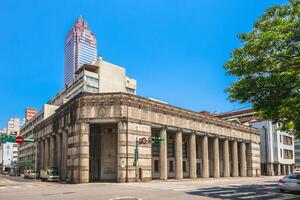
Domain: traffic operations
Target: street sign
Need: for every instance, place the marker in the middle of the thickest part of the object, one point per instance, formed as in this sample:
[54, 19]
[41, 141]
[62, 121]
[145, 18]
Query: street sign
[143, 140]
[29, 140]
[19, 139]
[157, 139]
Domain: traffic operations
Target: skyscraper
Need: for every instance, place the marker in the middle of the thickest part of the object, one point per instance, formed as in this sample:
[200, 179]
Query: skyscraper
[80, 48]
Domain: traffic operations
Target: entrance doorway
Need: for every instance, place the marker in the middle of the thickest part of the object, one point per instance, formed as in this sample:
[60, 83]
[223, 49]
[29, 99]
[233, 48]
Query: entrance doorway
[103, 152]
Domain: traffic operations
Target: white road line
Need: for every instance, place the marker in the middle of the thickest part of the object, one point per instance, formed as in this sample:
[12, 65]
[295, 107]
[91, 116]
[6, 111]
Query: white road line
[282, 198]
[16, 187]
[174, 188]
[185, 189]
[30, 186]
[218, 192]
[2, 188]
[236, 194]
[269, 187]
[235, 185]
[257, 196]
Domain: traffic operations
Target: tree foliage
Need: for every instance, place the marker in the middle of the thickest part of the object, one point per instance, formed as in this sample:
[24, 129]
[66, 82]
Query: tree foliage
[267, 67]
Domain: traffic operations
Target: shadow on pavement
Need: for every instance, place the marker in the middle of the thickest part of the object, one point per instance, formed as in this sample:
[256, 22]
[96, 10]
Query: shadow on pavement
[250, 191]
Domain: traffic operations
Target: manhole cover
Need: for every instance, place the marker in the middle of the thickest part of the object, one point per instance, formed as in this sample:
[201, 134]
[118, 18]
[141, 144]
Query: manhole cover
[125, 198]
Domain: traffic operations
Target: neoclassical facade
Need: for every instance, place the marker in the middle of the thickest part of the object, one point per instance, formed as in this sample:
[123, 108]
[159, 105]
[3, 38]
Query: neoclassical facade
[93, 138]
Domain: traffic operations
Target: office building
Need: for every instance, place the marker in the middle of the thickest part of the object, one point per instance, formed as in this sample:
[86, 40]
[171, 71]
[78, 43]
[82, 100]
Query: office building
[29, 113]
[80, 48]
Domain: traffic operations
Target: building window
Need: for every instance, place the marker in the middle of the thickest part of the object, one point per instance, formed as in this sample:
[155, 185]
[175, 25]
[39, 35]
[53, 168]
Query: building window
[281, 153]
[184, 149]
[155, 149]
[288, 154]
[287, 140]
[171, 167]
[130, 90]
[184, 166]
[156, 163]
[90, 79]
[171, 146]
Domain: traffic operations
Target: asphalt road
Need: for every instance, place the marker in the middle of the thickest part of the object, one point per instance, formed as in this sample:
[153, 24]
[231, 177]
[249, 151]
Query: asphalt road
[12, 188]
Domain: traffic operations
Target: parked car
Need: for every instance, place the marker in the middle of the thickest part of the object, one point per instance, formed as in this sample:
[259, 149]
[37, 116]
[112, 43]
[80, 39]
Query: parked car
[29, 173]
[13, 172]
[51, 174]
[290, 182]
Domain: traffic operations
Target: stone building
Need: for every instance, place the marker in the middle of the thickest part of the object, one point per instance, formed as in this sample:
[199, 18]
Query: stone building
[93, 137]
[276, 147]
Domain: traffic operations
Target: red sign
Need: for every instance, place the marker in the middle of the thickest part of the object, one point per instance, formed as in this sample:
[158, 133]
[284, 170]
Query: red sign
[19, 139]
[143, 140]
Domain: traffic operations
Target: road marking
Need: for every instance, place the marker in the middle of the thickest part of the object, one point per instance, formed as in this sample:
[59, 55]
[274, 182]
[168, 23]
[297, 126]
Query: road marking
[282, 198]
[218, 192]
[235, 185]
[236, 194]
[257, 196]
[30, 186]
[16, 187]
[2, 188]
[186, 189]
[269, 187]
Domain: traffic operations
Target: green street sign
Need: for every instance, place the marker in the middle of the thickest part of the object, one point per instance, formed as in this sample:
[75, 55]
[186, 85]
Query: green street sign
[157, 139]
[7, 138]
[29, 140]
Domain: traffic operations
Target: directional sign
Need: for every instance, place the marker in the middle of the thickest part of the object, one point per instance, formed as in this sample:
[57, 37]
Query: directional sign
[19, 139]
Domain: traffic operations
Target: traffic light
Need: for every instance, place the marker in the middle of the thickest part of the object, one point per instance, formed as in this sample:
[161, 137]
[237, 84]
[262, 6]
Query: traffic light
[157, 139]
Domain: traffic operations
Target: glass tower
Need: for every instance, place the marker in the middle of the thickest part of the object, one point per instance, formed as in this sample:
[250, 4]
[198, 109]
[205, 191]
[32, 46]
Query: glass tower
[80, 48]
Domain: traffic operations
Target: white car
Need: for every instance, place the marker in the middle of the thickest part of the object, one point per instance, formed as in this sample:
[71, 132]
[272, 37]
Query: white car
[290, 182]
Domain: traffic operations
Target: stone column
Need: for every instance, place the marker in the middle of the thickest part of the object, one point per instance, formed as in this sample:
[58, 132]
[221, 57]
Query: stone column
[46, 154]
[243, 159]
[192, 156]
[52, 150]
[58, 152]
[64, 149]
[84, 153]
[283, 170]
[204, 156]
[216, 157]
[291, 168]
[288, 169]
[226, 158]
[279, 169]
[41, 155]
[178, 155]
[163, 159]
[235, 164]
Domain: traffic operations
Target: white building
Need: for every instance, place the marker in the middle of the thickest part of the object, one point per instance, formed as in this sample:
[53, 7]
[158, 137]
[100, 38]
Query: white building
[297, 153]
[276, 147]
[9, 151]
[80, 48]
[98, 77]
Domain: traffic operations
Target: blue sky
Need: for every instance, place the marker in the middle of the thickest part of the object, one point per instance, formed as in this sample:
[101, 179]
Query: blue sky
[175, 49]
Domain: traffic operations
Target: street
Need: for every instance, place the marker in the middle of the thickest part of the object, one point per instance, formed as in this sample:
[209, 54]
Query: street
[12, 188]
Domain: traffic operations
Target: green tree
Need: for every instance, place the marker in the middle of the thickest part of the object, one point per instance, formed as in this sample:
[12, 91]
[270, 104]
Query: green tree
[267, 67]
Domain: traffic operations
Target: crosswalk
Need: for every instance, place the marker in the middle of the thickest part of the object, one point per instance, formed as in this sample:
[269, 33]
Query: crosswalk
[17, 187]
[231, 191]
